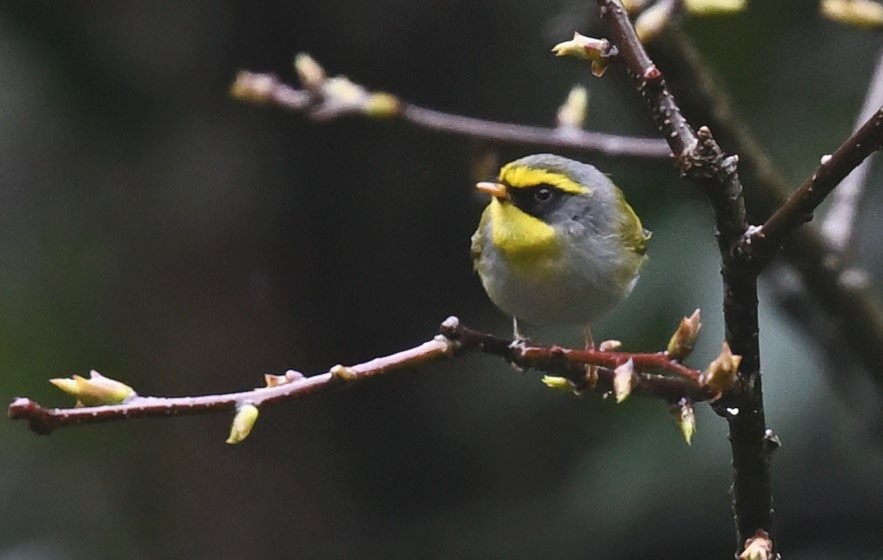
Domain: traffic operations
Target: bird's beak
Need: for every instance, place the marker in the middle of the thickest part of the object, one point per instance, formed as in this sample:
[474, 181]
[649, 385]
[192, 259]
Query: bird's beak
[496, 190]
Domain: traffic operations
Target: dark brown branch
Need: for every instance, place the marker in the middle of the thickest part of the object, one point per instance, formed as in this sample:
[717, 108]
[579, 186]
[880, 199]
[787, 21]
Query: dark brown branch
[671, 123]
[657, 376]
[855, 310]
[839, 224]
[698, 155]
[265, 88]
[763, 243]
[702, 161]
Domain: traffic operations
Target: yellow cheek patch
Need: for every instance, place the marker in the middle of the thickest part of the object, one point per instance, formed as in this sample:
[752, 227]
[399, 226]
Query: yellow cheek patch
[518, 176]
[520, 235]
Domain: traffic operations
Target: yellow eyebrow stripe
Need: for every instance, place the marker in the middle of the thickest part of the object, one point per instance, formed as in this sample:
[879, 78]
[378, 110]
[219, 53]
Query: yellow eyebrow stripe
[519, 176]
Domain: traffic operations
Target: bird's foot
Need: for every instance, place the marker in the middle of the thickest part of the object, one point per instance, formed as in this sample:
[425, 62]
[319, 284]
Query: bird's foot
[518, 338]
[587, 335]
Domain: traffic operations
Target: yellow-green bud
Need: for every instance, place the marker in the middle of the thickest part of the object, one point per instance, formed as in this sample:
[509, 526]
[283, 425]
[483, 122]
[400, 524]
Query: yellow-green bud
[587, 48]
[559, 383]
[95, 391]
[685, 417]
[243, 422]
[383, 105]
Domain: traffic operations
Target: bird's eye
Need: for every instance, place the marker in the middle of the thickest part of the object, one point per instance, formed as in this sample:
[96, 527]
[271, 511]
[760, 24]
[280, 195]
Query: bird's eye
[543, 194]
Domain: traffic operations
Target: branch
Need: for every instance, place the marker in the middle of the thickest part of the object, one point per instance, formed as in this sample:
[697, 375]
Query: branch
[45, 420]
[698, 155]
[854, 308]
[761, 245]
[266, 88]
[838, 226]
[680, 382]
[673, 126]
[655, 375]
[702, 160]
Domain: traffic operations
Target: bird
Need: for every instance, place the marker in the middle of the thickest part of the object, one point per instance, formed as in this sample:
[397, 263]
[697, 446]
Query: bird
[557, 244]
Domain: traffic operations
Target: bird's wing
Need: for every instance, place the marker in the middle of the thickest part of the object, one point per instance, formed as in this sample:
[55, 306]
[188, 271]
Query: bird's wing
[478, 239]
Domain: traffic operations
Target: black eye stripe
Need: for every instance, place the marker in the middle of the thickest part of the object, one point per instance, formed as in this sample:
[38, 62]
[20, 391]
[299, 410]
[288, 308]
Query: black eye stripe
[537, 200]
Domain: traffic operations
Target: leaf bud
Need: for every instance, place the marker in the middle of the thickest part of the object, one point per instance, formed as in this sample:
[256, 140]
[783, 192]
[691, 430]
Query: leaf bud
[587, 48]
[98, 390]
[722, 372]
[681, 343]
[243, 422]
[685, 417]
[310, 72]
[624, 380]
[758, 547]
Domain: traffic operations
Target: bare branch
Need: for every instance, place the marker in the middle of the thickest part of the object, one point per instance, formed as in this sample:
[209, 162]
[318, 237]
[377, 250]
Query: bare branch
[45, 420]
[657, 376]
[265, 88]
[762, 244]
[838, 226]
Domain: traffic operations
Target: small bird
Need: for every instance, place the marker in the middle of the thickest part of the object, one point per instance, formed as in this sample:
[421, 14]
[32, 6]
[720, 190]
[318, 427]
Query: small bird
[558, 243]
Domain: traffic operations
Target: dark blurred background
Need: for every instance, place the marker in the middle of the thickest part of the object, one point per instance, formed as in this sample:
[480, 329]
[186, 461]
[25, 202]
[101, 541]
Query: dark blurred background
[156, 230]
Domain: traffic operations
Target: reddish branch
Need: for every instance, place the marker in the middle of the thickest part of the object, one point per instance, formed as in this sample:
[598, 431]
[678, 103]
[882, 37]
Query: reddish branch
[271, 90]
[656, 376]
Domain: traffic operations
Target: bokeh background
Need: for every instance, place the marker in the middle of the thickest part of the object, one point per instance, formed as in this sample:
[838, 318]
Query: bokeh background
[156, 230]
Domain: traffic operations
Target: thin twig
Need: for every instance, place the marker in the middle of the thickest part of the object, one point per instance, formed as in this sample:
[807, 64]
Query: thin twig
[656, 376]
[266, 88]
[838, 227]
[553, 138]
[763, 243]
[45, 420]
